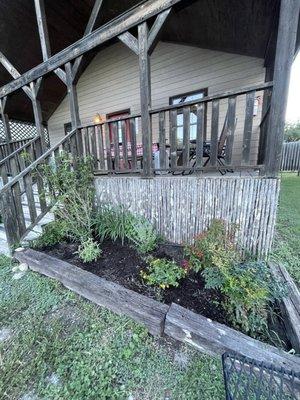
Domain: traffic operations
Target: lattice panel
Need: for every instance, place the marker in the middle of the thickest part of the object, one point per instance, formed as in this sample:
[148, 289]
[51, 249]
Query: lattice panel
[247, 379]
[22, 131]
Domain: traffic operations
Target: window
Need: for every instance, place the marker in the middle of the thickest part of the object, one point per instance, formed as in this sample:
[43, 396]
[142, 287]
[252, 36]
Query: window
[67, 127]
[182, 99]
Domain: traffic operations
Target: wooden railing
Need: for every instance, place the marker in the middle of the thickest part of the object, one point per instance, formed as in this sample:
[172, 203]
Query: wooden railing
[7, 148]
[213, 133]
[20, 158]
[29, 190]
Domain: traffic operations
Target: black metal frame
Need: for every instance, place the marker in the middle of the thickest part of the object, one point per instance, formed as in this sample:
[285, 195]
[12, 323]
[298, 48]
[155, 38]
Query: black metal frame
[247, 379]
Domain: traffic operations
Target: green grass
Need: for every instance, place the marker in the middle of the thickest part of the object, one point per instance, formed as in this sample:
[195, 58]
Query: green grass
[287, 238]
[63, 347]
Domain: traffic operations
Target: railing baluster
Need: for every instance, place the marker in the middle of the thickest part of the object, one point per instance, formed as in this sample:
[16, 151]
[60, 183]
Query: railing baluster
[30, 197]
[173, 138]
[8, 212]
[100, 134]
[162, 140]
[250, 97]
[124, 144]
[108, 147]
[93, 146]
[133, 144]
[231, 122]
[200, 135]
[16, 191]
[3, 173]
[186, 136]
[114, 126]
[214, 133]
[41, 190]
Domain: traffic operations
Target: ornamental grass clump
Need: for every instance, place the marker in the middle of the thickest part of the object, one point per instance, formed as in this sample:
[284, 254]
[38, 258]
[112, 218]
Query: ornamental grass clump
[248, 286]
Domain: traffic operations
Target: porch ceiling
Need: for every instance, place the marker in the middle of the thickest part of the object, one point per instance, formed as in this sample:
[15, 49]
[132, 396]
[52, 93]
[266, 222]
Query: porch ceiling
[239, 26]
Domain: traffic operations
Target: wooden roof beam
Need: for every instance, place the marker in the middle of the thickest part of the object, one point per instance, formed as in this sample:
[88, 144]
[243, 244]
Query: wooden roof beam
[44, 36]
[89, 28]
[14, 73]
[101, 35]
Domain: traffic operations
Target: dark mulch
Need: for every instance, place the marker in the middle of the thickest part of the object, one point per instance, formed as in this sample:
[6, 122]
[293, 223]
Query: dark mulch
[122, 264]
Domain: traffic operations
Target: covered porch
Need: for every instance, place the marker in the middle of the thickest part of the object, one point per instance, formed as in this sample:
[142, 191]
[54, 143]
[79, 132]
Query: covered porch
[235, 132]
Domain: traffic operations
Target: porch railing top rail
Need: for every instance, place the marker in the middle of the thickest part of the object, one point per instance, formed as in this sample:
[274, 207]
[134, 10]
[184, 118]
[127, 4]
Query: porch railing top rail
[38, 161]
[19, 150]
[217, 96]
[206, 99]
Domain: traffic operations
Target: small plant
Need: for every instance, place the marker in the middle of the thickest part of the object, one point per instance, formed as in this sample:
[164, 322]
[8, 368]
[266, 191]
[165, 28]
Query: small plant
[142, 234]
[89, 251]
[213, 248]
[113, 222]
[53, 233]
[163, 273]
[249, 289]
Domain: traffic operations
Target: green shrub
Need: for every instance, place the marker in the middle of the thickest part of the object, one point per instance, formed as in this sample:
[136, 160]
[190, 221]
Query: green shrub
[72, 192]
[163, 273]
[113, 222]
[248, 287]
[89, 251]
[142, 234]
[53, 233]
[213, 248]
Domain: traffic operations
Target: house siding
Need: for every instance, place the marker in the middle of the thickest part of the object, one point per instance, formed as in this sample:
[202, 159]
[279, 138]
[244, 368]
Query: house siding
[111, 83]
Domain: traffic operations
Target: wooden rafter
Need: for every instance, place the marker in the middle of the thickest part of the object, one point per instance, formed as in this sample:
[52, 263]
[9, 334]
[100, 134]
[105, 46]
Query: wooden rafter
[101, 35]
[13, 72]
[89, 28]
[156, 29]
[44, 36]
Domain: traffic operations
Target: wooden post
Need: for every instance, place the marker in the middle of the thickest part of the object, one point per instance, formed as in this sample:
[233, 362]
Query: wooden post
[37, 112]
[72, 93]
[5, 122]
[285, 50]
[145, 96]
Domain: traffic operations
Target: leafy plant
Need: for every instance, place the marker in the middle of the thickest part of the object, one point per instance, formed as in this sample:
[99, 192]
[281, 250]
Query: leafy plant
[113, 222]
[72, 192]
[163, 273]
[89, 250]
[213, 248]
[249, 289]
[292, 132]
[54, 232]
[142, 234]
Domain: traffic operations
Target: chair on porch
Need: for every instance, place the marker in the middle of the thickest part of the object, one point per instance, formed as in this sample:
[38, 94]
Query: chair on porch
[221, 147]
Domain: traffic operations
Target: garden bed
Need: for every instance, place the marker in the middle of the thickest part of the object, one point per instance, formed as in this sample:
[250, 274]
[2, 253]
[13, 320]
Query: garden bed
[122, 264]
[175, 321]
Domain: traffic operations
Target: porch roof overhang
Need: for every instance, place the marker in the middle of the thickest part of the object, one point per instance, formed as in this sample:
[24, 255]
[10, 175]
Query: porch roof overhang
[246, 27]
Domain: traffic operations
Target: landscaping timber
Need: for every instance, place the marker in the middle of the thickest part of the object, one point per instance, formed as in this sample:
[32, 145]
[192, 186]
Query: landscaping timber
[214, 338]
[175, 321]
[289, 306]
[116, 298]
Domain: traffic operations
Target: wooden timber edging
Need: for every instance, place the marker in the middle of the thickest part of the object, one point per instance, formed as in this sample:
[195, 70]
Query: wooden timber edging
[289, 306]
[175, 321]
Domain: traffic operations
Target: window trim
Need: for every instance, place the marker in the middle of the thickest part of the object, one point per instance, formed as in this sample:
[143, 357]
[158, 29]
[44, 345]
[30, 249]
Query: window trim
[205, 91]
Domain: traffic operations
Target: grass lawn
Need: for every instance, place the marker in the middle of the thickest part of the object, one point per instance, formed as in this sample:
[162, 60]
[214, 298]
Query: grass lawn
[55, 345]
[286, 248]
